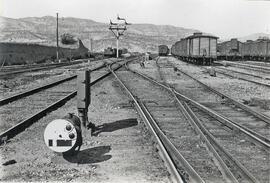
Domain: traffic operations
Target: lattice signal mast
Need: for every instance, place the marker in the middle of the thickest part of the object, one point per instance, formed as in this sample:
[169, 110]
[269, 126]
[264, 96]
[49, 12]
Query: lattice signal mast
[118, 30]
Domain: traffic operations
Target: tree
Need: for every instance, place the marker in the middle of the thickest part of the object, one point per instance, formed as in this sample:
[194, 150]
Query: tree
[68, 39]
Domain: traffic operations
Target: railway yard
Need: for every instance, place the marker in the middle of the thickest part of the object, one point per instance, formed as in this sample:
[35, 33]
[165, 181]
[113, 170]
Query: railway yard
[169, 121]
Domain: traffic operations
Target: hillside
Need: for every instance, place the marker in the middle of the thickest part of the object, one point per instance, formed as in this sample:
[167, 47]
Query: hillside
[41, 30]
[254, 37]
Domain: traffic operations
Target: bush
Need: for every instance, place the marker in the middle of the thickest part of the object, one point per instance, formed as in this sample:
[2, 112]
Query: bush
[76, 57]
[53, 57]
[41, 61]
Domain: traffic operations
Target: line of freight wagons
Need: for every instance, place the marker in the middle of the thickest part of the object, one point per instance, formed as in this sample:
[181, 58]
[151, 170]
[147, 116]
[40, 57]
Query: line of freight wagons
[203, 49]
[258, 50]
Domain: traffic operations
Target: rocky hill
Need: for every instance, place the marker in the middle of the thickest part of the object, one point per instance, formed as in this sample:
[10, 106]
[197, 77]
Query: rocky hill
[254, 37]
[41, 30]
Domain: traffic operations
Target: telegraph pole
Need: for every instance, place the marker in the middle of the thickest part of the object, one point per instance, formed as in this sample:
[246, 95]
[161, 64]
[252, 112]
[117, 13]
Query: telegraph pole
[90, 43]
[117, 44]
[57, 45]
[118, 30]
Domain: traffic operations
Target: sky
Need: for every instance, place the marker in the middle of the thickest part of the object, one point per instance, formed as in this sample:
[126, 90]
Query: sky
[223, 18]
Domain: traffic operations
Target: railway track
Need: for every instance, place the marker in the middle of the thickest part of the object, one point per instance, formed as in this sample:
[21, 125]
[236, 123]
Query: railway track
[251, 73]
[244, 72]
[40, 88]
[6, 71]
[139, 106]
[120, 142]
[13, 84]
[230, 109]
[265, 64]
[258, 79]
[37, 103]
[264, 69]
[190, 153]
[245, 162]
[148, 102]
[227, 97]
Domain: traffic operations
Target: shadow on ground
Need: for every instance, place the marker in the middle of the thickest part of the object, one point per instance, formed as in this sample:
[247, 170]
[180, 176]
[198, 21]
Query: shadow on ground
[91, 155]
[117, 125]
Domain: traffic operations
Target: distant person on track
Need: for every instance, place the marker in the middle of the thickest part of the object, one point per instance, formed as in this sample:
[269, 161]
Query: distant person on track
[142, 63]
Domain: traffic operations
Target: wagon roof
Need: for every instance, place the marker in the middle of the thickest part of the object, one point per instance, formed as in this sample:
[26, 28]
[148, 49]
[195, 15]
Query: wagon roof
[162, 45]
[201, 35]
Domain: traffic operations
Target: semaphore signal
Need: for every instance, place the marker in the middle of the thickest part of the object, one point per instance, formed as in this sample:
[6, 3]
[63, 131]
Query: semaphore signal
[118, 30]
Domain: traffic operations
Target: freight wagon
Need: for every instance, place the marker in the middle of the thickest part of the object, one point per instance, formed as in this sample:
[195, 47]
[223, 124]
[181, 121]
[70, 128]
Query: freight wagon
[111, 52]
[197, 48]
[229, 50]
[250, 50]
[163, 50]
[258, 50]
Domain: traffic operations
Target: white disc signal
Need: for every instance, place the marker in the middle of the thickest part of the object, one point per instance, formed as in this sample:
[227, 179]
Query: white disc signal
[60, 135]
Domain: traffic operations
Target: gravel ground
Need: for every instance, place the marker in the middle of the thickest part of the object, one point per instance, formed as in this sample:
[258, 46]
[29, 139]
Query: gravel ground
[121, 151]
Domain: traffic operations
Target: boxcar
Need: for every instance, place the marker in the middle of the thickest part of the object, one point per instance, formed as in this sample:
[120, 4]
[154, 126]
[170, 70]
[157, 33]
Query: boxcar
[250, 50]
[202, 49]
[256, 50]
[163, 50]
[229, 50]
[197, 48]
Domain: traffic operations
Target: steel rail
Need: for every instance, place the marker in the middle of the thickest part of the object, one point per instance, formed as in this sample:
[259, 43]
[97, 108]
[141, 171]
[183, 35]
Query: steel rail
[196, 123]
[210, 141]
[227, 120]
[251, 81]
[171, 166]
[256, 138]
[259, 68]
[258, 63]
[239, 72]
[27, 70]
[220, 149]
[40, 88]
[177, 156]
[32, 91]
[250, 67]
[52, 66]
[261, 116]
[42, 67]
[21, 126]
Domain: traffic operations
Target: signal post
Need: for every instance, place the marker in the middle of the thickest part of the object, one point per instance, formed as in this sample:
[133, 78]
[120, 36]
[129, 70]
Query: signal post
[118, 30]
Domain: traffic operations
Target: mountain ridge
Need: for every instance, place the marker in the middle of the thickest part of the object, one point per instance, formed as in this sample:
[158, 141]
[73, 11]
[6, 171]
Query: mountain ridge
[41, 30]
[139, 37]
